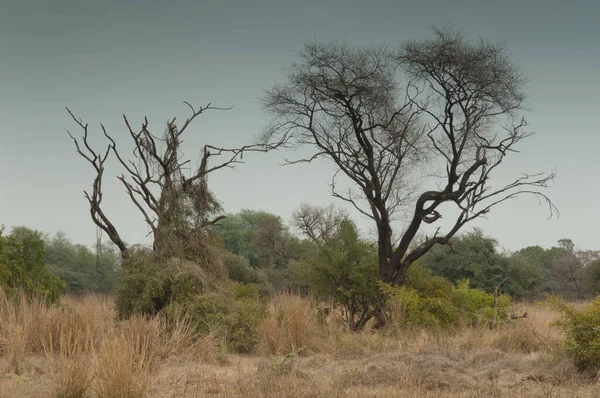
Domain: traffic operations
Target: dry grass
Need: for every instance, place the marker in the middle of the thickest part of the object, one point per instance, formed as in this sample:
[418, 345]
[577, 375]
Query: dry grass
[69, 365]
[289, 325]
[78, 349]
[124, 364]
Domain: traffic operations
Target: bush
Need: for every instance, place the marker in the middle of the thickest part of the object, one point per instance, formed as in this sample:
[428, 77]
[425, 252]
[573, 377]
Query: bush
[240, 270]
[433, 302]
[234, 314]
[344, 268]
[22, 266]
[428, 285]
[150, 283]
[582, 329]
[476, 306]
[413, 309]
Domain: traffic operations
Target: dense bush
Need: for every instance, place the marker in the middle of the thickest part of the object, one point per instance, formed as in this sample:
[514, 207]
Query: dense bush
[22, 266]
[240, 270]
[476, 306]
[234, 314]
[432, 301]
[150, 283]
[475, 256]
[582, 329]
[344, 268]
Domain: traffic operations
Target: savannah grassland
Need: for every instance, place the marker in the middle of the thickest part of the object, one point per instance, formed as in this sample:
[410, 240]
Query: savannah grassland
[78, 349]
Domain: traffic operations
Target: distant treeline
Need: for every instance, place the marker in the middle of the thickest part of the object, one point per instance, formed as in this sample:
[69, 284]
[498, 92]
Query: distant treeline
[259, 248]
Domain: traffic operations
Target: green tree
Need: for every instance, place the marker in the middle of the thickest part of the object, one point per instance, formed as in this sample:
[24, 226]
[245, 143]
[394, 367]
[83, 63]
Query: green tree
[239, 270]
[236, 232]
[592, 278]
[541, 259]
[562, 268]
[261, 237]
[22, 265]
[474, 256]
[266, 244]
[82, 269]
[344, 268]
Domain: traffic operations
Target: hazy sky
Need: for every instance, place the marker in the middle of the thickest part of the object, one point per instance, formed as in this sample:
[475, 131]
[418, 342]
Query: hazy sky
[143, 58]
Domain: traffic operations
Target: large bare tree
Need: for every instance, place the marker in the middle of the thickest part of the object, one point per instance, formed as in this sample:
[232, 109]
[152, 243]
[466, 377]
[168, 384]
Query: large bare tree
[455, 114]
[176, 207]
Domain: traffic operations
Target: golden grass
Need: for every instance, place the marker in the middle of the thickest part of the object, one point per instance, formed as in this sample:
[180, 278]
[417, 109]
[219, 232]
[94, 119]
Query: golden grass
[79, 349]
[69, 365]
[289, 325]
[124, 364]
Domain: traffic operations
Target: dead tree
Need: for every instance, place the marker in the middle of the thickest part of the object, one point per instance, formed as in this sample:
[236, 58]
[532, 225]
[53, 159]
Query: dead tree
[319, 224]
[457, 114]
[177, 208]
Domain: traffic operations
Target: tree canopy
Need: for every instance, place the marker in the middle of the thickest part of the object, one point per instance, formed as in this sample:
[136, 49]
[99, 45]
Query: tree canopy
[456, 113]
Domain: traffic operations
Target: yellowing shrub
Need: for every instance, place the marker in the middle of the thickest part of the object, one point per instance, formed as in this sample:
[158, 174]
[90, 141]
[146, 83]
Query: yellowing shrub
[582, 329]
[432, 301]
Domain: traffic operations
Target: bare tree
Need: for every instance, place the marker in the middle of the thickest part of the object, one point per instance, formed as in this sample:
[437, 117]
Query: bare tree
[458, 112]
[177, 208]
[319, 224]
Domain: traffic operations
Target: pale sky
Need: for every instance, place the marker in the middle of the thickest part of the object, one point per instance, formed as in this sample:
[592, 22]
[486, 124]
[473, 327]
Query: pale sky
[144, 58]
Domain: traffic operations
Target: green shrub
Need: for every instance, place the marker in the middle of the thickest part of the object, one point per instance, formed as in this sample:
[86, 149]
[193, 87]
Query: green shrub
[234, 314]
[344, 268]
[413, 309]
[476, 306]
[582, 329]
[240, 270]
[433, 302]
[22, 266]
[428, 285]
[150, 283]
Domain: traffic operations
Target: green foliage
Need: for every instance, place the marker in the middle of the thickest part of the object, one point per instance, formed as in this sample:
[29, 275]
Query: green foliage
[345, 269]
[22, 265]
[266, 244]
[151, 282]
[428, 285]
[476, 306]
[431, 301]
[234, 313]
[592, 278]
[418, 310]
[474, 256]
[80, 268]
[239, 270]
[237, 231]
[561, 269]
[582, 329]
[260, 237]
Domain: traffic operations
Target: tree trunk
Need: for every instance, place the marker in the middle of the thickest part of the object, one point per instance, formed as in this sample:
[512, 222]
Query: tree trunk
[385, 251]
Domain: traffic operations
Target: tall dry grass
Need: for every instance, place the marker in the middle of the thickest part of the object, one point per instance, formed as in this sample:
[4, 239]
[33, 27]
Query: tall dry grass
[124, 364]
[79, 349]
[87, 350]
[293, 325]
[290, 325]
[29, 326]
[69, 359]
